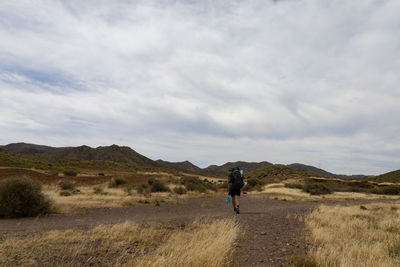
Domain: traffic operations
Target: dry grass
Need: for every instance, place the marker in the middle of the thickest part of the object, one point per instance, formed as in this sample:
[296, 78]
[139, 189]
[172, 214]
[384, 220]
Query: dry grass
[202, 244]
[367, 235]
[206, 245]
[279, 191]
[110, 197]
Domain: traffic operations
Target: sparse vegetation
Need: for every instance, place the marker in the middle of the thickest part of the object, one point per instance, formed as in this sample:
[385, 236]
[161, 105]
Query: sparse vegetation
[117, 181]
[294, 185]
[143, 188]
[200, 244]
[67, 185]
[180, 190]
[22, 197]
[253, 184]
[314, 188]
[159, 186]
[387, 190]
[99, 191]
[65, 193]
[70, 173]
[196, 184]
[355, 236]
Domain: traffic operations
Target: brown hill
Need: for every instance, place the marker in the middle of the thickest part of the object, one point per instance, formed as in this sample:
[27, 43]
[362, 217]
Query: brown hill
[245, 166]
[390, 177]
[185, 166]
[27, 148]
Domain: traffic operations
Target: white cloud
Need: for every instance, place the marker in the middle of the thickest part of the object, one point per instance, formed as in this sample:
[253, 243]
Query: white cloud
[202, 80]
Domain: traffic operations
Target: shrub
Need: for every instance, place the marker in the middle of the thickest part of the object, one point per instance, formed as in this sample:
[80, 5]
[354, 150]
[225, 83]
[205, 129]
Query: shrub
[116, 182]
[253, 184]
[180, 190]
[159, 186]
[120, 180]
[65, 193]
[22, 197]
[143, 188]
[386, 190]
[316, 188]
[99, 191]
[70, 173]
[66, 185]
[294, 185]
[100, 174]
[196, 184]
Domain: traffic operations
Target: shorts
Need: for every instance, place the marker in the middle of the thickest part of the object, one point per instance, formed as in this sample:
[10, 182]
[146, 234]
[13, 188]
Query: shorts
[234, 192]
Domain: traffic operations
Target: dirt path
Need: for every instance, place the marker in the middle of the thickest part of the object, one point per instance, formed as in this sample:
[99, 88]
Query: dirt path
[268, 236]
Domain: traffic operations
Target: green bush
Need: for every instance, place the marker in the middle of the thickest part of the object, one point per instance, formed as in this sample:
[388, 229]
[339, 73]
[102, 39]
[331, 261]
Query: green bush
[66, 185]
[253, 184]
[294, 185]
[70, 173]
[120, 180]
[100, 174]
[180, 190]
[143, 188]
[22, 197]
[159, 186]
[116, 182]
[387, 190]
[314, 188]
[196, 184]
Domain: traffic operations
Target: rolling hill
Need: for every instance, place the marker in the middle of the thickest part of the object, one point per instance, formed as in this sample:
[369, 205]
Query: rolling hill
[27, 148]
[105, 158]
[390, 177]
[308, 168]
[246, 166]
[277, 173]
[185, 166]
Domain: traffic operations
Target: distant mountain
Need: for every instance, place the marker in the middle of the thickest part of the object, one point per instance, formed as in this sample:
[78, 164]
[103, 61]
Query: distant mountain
[122, 154]
[245, 166]
[311, 169]
[124, 158]
[103, 158]
[27, 148]
[185, 166]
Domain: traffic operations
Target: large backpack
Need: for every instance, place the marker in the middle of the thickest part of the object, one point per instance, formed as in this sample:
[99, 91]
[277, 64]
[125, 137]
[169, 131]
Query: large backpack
[237, 179]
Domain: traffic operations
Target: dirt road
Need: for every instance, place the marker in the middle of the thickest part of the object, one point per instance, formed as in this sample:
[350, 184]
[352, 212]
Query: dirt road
[268, 235]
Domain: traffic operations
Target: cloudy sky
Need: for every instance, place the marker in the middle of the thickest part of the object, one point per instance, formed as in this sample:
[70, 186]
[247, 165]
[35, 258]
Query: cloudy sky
[307, 81]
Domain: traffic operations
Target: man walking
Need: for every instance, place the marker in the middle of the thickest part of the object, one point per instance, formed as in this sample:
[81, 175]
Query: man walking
[235, 182]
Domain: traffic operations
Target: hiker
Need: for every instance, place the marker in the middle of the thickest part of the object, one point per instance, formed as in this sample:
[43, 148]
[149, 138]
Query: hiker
[235, 182]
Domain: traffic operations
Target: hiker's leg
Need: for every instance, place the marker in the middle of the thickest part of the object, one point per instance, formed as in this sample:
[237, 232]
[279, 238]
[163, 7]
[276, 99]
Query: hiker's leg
[233, 200]
[237, 201]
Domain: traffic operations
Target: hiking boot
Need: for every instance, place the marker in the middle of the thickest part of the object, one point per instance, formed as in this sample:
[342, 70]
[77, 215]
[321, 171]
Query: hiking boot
[237, 210]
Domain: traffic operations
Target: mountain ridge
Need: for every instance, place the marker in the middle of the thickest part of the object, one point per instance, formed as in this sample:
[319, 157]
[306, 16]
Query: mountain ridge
[126, 155]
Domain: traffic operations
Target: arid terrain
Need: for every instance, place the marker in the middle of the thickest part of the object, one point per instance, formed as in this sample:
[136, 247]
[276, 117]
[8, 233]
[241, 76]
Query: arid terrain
[270, 231]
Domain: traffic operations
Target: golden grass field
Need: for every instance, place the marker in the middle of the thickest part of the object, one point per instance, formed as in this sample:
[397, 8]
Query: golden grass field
[366, 235]
[206, 243]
